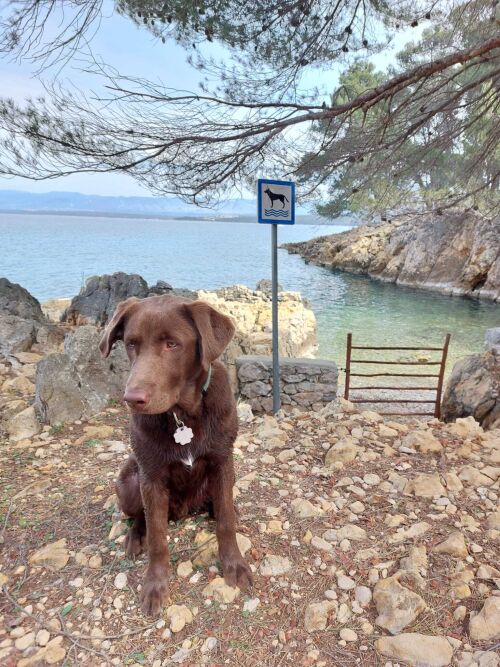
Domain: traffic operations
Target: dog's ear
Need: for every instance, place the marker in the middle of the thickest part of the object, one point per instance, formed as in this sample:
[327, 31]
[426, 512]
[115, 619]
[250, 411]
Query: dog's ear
[214, 328]
[114, 329]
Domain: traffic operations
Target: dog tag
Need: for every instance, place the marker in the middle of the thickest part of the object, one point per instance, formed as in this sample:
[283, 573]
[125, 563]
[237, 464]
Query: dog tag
[183, 435]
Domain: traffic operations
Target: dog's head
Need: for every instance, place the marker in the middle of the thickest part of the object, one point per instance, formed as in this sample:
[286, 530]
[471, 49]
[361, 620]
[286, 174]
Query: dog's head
[171, 343]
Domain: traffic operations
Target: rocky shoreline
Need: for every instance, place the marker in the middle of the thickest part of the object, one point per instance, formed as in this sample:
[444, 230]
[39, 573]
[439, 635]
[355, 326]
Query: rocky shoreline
[453, 253]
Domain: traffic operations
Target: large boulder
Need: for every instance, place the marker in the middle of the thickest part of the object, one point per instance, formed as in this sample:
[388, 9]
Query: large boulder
[97, 300]
[22, 321]
[492, 340]
[79, 383]
[17, 301]
[474, 389]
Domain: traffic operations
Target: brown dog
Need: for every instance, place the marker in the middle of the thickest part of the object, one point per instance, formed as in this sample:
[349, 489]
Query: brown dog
[173, 345]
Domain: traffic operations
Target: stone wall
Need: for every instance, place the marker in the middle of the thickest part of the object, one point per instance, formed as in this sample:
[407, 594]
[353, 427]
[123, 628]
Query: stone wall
[305, 383]
[250, 312]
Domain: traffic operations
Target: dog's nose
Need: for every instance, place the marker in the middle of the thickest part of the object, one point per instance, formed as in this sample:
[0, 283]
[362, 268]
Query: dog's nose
[136, 397]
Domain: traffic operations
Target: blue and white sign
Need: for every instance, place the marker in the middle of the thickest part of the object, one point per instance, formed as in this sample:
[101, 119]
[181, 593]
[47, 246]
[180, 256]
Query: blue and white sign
[276, 202]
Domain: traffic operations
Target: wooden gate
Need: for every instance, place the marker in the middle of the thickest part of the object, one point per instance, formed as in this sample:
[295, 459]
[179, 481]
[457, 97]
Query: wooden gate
[439, 376]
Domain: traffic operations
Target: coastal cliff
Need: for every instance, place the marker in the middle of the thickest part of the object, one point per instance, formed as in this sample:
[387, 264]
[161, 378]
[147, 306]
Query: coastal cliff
[453, 253]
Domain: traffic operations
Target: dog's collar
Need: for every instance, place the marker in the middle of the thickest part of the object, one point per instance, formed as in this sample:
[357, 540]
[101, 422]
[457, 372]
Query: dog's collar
[206, 385]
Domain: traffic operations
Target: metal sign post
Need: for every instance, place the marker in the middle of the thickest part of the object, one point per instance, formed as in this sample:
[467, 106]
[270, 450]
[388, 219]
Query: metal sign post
[276, 206]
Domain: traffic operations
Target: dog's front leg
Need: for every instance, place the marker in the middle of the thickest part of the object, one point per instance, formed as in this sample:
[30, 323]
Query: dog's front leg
[236, 570]
[155, 588]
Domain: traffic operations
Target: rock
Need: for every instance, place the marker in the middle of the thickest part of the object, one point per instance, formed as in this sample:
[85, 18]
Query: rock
[371, 478]
[417, 530]
[219, 590]
[304, 509]
[472, 390]
[178, 616]
[275, 566]
[251, 605]
[474, 477]
[185, 569]
[348, 635]
[425, 486]
[22, 321]
[452, 482]
[351, 532]
[416, 649]
[321, 544]
[120, 581]
[244, 543]
[492, 340]
[345, 583]
[413, 250]
[363, 595]
[454, 545]
[209, 644]
[20, 384]
[208, 548]
[95, 562]
[53, 556]
[422, 441]
[79, 383]
[98, 298]
[493, 521]
[25, 641]
[479, 659]
[487, 572]
[245, 414]
[23, 425]
[42, 637]
[317, 613]
[397, 606]
[485, 626]
[344, 450]
[208, 552]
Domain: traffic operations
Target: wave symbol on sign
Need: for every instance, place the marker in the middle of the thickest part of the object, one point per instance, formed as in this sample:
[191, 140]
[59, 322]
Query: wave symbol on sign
[276, 213]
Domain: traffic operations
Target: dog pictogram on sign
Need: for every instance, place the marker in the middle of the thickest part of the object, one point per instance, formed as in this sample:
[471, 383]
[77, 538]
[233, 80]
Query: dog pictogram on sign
[276, 201]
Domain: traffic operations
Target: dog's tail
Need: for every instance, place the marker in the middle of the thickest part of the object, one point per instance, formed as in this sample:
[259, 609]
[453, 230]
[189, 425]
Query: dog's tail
[286, 198]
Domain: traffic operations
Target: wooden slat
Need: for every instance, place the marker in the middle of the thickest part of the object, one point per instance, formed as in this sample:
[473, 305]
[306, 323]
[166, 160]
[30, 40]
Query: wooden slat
[397, 388]
[423, 349]
[407, 414]
[390, 400]
[396, 375]
[396, 363]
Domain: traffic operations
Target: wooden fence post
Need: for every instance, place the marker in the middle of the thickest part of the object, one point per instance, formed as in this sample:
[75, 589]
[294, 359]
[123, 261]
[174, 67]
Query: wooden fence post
[348, 366]
[437, 409]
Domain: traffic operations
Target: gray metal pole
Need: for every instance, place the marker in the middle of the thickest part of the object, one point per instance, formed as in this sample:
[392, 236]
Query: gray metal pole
[276, 358]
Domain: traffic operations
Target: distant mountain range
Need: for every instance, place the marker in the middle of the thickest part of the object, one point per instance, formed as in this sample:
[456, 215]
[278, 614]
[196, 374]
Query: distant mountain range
[76, 203]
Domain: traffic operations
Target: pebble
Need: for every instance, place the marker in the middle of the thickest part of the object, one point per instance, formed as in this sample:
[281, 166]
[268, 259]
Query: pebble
[120, 581]
[348, 635]
[24, 642]
[345, 583]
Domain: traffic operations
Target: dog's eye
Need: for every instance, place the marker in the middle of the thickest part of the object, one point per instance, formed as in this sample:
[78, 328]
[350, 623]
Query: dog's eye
[130, 345]
[170, 344]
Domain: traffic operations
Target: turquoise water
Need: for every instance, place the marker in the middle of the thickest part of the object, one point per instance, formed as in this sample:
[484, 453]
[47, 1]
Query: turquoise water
[52, 256]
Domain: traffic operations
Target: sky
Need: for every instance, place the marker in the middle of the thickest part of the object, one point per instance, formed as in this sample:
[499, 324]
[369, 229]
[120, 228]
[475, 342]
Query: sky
[133, 51]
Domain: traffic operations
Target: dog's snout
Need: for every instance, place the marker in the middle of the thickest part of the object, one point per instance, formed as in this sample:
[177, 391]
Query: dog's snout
[136, 398]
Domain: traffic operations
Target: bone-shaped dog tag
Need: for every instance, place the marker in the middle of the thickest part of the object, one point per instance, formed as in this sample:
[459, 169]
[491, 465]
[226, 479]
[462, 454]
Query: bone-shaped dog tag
[183, 435]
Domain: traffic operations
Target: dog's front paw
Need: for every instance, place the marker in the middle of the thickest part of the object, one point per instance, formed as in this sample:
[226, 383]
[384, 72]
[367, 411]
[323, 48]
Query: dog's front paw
[153, 595]
[133, 542]
[237, 573]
